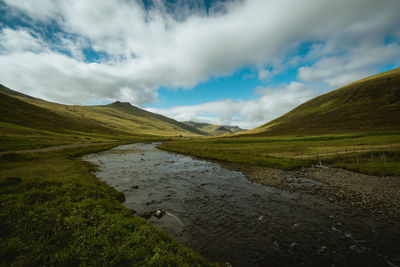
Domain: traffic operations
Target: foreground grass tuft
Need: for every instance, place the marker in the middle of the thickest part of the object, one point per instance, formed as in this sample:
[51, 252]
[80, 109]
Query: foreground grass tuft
[55, 212]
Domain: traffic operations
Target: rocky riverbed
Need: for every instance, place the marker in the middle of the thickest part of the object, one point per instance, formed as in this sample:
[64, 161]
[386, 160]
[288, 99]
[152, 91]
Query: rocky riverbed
[378, 195]
[290, 220]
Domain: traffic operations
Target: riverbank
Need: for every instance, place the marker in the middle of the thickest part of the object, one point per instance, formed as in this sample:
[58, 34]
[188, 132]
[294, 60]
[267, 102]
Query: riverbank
[379, 195]
[55, 212]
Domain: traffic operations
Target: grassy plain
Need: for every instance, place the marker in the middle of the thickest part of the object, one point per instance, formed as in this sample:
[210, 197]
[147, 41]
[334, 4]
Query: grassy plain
[377, 153]
[55, 212]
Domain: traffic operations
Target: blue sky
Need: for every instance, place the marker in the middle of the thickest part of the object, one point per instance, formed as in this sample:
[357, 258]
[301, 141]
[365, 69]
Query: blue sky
[238, 62]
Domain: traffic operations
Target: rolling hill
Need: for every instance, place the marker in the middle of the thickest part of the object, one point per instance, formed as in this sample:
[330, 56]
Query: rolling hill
[116, 118]
[368, 105]
[213, 129]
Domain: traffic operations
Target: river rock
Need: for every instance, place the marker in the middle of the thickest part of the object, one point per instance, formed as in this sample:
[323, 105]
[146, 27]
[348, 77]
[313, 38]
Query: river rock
[159, 213]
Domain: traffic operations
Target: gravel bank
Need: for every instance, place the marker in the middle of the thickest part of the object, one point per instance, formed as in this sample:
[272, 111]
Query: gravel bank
[380, 195]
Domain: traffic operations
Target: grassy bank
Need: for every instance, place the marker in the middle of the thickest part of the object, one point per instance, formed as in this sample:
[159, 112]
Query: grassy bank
[55, 212]
[377, 153]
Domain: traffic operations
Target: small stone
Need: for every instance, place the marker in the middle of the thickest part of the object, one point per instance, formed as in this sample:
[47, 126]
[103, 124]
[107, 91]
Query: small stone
[323, 250]
[358, 248]
[348, 235]
[159, 213]
[261, 218]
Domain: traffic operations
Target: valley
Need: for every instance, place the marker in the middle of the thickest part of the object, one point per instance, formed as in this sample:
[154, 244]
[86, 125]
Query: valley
[321, 180]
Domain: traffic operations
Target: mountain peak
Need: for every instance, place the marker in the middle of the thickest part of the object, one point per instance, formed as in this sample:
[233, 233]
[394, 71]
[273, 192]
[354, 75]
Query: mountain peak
[119, 103]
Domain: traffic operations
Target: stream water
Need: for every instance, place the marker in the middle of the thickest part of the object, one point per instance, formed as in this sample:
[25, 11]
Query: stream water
[227, 218]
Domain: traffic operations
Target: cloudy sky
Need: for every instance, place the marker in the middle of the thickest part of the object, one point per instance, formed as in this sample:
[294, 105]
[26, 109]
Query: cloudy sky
[241, 62]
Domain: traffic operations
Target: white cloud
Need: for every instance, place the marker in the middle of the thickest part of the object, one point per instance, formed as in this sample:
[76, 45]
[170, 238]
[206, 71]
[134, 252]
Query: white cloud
[148, 49]
[355, 64]
[272, 103]
[264, 74]
[19, 41]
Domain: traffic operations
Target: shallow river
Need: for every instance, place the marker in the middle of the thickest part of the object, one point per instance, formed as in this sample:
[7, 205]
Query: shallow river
[227, 218]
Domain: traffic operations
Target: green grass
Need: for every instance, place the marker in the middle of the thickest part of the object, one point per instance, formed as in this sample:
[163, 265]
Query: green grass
[55, 212]
[294, 152]
[383, 163]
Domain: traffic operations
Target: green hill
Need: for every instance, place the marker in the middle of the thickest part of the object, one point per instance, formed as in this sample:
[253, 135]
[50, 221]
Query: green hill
[115, 118]
[368, 105]
[16, 111]
[213, 129]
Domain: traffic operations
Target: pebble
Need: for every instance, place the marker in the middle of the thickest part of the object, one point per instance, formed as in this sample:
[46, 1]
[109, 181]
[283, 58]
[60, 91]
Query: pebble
[323, 250]
[159, 213]
[357, 248]
[348, 235]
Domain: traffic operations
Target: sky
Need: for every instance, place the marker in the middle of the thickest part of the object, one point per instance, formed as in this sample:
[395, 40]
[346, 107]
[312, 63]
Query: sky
[232, 62]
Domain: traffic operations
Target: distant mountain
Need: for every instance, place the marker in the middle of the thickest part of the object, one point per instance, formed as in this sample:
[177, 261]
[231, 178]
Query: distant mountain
[212, 129]
[118, 117]
[368, 105]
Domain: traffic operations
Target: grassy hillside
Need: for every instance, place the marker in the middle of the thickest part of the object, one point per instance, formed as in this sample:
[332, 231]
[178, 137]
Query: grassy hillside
[116, 118]
[16, 111]
[213, 129]
[368, 105]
